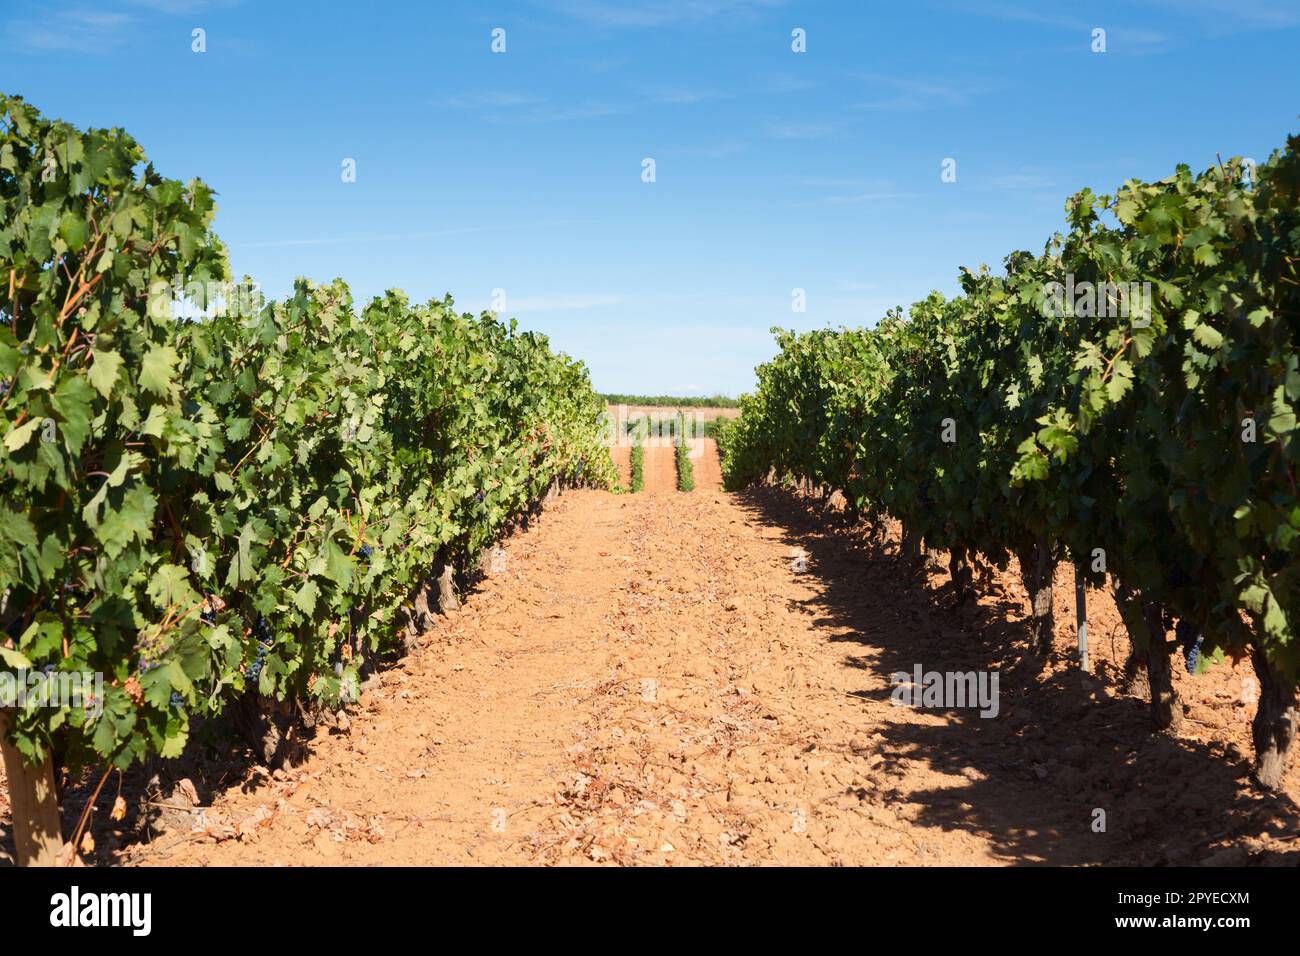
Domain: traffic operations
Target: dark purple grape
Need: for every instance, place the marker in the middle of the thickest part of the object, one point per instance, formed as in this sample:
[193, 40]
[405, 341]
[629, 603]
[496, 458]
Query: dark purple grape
[1190, 639]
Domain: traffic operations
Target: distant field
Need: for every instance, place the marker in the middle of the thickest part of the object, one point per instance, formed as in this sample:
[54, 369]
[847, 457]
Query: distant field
[673, 401]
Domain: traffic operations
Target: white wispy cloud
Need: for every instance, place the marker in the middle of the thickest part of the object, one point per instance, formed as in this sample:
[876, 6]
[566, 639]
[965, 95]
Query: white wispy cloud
[683, 97]
[892, 94]
[68, 30]
[852, 199]
[555, 113]
[706, 152]
[834, 183]
[789, 84]
[1230, 16]
[508, 106]
[1025, 14]
[485, 100]
[801, 130]
[853, 191]
[512, 106]
[1120, 34]
[1139, 41]
[182, 6]
[87, 28]
[656, 13]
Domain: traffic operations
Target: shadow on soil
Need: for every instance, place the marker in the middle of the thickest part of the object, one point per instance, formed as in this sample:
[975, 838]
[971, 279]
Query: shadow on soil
[1064, 744]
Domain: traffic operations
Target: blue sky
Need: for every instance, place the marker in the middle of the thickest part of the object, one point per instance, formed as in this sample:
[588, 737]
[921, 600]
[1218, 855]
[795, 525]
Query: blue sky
[775, 170]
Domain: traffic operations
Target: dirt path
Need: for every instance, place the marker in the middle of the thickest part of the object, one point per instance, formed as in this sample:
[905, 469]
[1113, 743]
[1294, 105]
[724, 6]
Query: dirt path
[706, 465]
[660, 467]
[622, 455]
[703, 679]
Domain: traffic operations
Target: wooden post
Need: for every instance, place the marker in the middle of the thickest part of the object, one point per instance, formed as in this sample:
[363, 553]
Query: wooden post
[34, 804]
[1081, 615]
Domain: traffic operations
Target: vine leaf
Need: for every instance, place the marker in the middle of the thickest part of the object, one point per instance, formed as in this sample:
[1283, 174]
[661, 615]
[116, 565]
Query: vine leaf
[157, 368]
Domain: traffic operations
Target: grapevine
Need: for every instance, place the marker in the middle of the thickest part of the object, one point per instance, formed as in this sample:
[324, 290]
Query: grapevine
[190, 507]
[1155, 447]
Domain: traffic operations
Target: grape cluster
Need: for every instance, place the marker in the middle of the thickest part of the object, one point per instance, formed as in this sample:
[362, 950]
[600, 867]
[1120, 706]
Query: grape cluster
[255, 669]
[365, 551]
[151, 650]
[1190, 639]
[262, 632]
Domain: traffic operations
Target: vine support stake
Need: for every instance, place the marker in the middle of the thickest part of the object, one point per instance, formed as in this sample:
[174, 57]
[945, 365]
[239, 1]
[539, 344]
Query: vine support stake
[35, 805]
[1081, 615]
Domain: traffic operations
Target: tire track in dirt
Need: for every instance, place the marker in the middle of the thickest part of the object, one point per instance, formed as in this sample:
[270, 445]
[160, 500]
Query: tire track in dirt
[703, 679]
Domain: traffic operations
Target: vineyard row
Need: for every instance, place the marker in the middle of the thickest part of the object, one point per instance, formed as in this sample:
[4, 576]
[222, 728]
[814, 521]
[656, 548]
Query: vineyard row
[246, 508]
[1126, 400]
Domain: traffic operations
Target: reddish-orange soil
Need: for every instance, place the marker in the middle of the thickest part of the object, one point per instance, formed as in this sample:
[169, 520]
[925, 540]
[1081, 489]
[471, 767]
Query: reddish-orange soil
[660, 466]
[622, 455]
[705, 464]
[679, 679]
